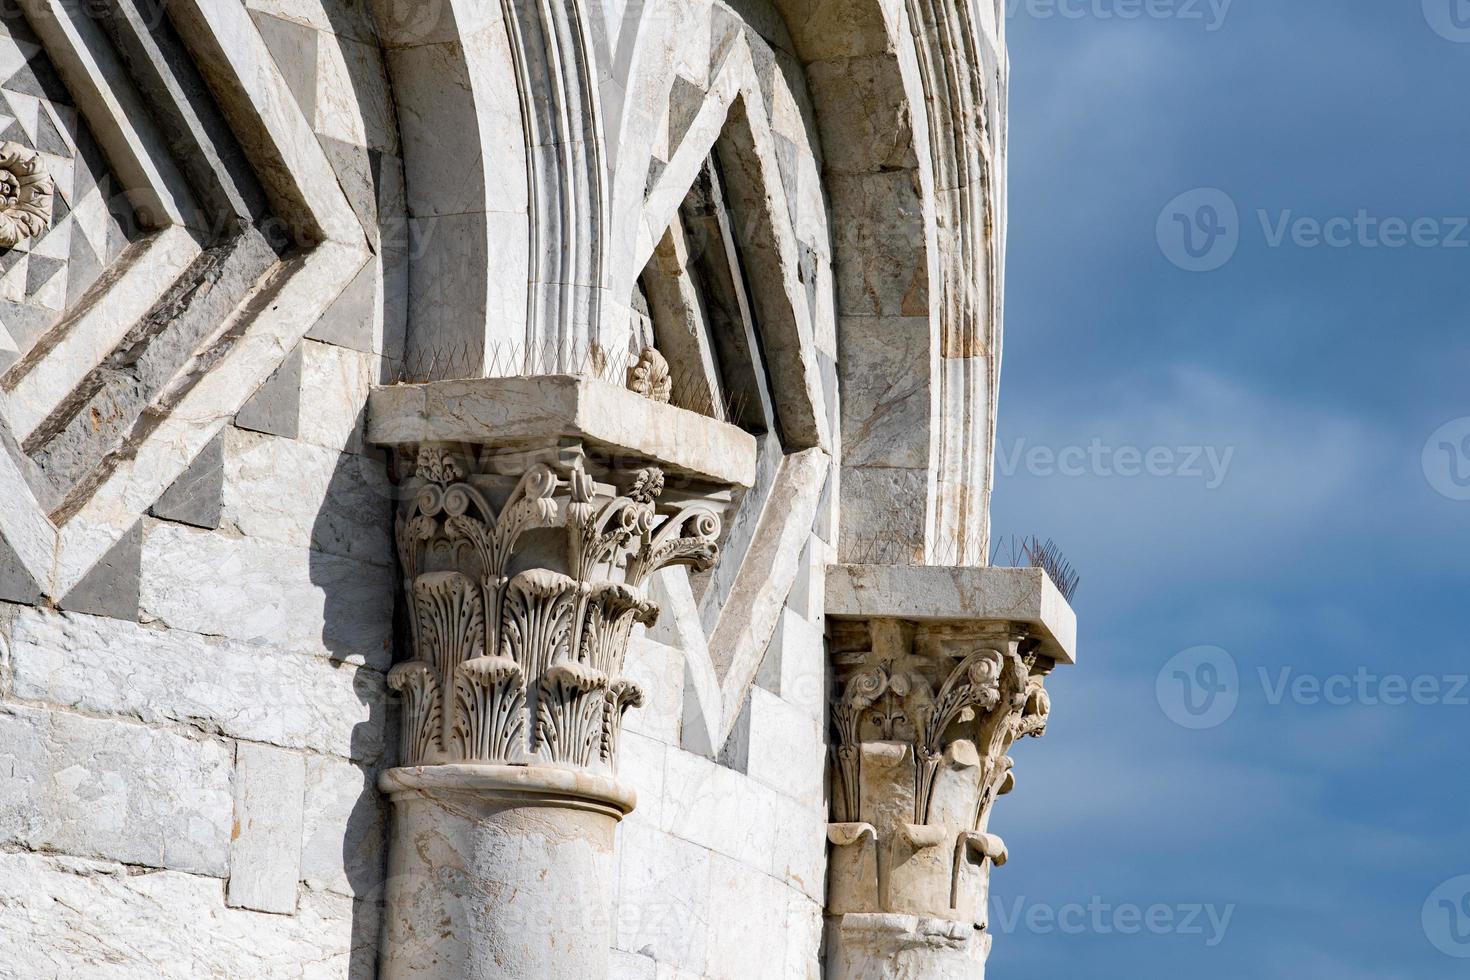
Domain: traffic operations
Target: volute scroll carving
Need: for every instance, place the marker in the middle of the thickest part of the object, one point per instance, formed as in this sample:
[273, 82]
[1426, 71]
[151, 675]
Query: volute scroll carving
[924, 717]
[523, 592]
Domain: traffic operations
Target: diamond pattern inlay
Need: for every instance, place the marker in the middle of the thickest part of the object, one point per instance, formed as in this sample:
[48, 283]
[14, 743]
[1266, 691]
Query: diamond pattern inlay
[92, 223]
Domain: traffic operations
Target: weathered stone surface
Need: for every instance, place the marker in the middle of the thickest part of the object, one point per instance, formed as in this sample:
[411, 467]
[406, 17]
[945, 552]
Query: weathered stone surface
[787, 748]
[162, 676]
[344, 833]
[302, 495]
[334, 390]
[500, 871]
[265, 842]
[112, 790]
[196, 498]
[664, 899]
[260, 592]
[111, 588]
[512, 411]
[462, 206]
[1022, 595]
[276, 407]
[73, 917]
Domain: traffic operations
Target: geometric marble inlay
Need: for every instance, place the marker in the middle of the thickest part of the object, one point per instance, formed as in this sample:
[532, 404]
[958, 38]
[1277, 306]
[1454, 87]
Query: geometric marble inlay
[91, 223]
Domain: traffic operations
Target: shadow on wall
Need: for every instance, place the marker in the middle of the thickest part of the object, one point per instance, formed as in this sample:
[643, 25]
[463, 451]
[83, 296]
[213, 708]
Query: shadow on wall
[359, 483]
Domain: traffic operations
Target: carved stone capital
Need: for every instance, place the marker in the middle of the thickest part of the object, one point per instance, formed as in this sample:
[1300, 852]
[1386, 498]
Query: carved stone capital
[522, 590]
[928, 703]
[531, 514]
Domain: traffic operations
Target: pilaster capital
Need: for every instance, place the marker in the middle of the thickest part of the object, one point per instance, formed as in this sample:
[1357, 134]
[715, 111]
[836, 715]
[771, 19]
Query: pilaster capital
[938, 673]
[527, 530]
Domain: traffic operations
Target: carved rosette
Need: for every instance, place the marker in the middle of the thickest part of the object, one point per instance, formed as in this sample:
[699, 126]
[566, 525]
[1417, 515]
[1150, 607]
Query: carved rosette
[923, 721]
[523, 592]
[27, 193]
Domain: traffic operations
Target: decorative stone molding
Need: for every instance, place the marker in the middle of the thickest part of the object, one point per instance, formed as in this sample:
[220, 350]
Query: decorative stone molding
[929, 702]
[519, 636]
[650, 376]
[532, 512]
[26, 195]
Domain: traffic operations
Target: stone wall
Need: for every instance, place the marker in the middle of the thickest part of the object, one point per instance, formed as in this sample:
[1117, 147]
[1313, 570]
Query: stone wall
[270, 207]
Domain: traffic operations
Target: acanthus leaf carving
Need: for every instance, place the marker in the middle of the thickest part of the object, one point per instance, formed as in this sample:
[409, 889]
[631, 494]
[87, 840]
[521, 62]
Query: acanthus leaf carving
[922, 724]
[27, 195]
[523, 603]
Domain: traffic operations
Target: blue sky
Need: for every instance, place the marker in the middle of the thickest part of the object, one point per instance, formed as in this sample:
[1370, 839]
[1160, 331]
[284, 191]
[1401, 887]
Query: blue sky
[1319, 550]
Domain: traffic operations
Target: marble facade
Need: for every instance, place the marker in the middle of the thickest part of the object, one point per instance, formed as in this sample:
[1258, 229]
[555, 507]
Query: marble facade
[502, 490]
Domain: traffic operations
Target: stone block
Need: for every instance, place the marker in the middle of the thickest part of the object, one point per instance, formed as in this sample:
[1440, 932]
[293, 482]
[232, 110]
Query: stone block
[72, 917]
[888, 393]
[275, 407]
[751, 904]
[787, 750]
[718, 808]
[352, 320]
[658, 670]
[334, 390]
[805, 684]
[16, 584]
[664, 898]
[344, 829]
[107, 789]
[111, 588]
[103, 666]
[259, 592]
[195, 498]
[641, 766]
[799, 855]
[608, 418]
[879, 244]
[265, 844]
[884, 514]
[302, 495]
[938, 593]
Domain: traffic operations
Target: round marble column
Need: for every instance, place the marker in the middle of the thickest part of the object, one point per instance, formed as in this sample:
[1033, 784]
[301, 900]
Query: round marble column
[500, 872]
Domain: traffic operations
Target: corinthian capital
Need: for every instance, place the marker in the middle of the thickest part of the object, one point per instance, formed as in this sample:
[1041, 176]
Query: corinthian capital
[532, 513]
[523, 588]
[939, 672]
